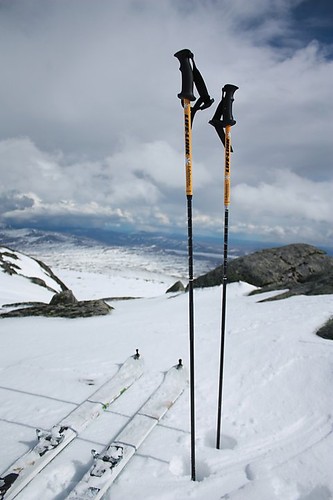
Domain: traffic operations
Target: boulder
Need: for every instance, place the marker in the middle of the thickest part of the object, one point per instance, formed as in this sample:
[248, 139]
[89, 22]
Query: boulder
[301, 268]
[326, 331]
[78, 309]
[62, 298]
[176, 287]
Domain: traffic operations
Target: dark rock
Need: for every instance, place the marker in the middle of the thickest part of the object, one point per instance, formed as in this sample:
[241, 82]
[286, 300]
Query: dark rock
[318, 284]
[9, 267]
[78, 309]
[25, 304]
[49, 271]
[326, 331]
[176, 287]
[300, 268]
[63, 298]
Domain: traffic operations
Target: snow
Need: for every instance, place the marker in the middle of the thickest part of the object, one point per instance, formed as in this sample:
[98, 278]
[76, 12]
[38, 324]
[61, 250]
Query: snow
[277, 437]
[27, 267]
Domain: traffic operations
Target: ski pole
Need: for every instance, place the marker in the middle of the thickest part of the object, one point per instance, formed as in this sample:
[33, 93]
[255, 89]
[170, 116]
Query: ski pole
[191, 76]
[221, 120]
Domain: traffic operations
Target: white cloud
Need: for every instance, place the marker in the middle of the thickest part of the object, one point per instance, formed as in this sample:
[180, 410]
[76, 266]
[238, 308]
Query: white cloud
[130, 185]
[92, 127]
[288, 196]
[290, 207]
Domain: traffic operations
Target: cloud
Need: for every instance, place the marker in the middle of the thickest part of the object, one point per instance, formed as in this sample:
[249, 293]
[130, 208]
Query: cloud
[288, 207]
[140, 185]
[13, 200]
[288, 195]
[92, 129]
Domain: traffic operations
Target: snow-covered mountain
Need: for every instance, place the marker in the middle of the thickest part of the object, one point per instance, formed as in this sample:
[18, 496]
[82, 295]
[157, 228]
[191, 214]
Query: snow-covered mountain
[277, 422]
[115, 251]
[22, 277]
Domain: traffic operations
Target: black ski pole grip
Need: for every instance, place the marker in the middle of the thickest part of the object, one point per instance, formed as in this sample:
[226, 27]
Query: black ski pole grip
[186, 70]
[223, 114]
[227, 100]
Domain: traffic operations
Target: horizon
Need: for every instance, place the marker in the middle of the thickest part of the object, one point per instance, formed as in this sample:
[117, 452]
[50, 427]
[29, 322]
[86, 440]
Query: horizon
[129, 238]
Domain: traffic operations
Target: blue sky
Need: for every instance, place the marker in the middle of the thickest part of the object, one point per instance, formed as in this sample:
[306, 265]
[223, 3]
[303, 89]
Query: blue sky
[91, 129]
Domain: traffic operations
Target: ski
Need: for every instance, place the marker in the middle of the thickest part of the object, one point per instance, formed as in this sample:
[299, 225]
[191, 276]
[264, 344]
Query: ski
[110, 462]
[51, 443]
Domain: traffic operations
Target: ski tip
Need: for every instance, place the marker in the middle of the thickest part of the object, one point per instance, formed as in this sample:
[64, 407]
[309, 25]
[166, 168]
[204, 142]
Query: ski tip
[182, 371]
[180, 364]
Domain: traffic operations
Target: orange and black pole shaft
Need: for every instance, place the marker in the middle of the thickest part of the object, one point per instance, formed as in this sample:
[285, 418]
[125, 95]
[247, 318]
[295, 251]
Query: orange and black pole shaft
[186, 95]
[227, 155]
[190, 77]
[223, 121]
[188, 147]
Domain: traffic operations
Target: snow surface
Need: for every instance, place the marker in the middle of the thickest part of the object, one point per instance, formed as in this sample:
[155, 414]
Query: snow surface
[20, 289]
[277, 437]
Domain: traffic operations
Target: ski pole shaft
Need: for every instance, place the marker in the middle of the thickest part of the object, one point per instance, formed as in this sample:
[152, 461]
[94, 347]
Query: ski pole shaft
[188, 147]
[190, 77]
[223, 121]
[189, 194]
[186, 95]
[191, 337]
[227, 152]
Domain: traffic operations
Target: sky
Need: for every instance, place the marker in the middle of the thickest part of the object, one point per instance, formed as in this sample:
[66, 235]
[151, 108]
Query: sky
[91, 128]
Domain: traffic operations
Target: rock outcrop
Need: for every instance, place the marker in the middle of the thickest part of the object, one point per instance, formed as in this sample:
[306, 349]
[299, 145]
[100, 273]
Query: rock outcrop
[62, 304]
[176, 287]
[300, 268]
[17, 263]
[326, 331]
[63, 298]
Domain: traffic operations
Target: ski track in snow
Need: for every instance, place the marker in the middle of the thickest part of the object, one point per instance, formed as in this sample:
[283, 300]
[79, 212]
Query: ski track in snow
[277, 437]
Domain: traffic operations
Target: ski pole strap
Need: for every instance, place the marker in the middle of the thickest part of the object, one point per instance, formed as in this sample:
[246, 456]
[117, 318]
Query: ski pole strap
[191, 76]
[223, 114]
[204, 101]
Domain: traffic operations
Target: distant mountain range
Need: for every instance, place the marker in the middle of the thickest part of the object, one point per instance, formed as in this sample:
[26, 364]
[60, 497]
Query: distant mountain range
[27, 238]
[205, 247]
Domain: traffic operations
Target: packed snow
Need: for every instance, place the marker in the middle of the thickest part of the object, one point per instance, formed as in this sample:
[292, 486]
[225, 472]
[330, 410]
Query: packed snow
[277, 421]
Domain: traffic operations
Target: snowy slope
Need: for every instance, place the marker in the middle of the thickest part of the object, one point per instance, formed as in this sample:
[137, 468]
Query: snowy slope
[277, 415]
[17, 272]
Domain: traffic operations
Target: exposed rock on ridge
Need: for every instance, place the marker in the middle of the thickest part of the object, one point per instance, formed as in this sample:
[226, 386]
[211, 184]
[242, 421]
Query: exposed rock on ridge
[326, 331]
[62, 304]
[176, 287]
[13, 262]
[300, 268]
